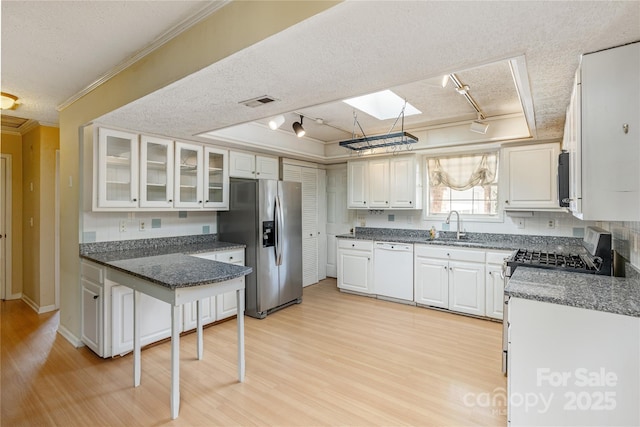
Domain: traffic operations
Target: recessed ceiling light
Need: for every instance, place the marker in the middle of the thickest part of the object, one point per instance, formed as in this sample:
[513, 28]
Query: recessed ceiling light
[382, 105]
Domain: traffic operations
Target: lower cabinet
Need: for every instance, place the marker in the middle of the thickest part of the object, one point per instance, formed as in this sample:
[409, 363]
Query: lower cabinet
[355, 265]
[494, 284]
[450, 278]
[155, 319]
[92, 333]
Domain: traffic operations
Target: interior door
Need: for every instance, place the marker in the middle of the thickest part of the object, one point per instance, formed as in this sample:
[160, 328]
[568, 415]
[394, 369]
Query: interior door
[3, 230]
[338, 217]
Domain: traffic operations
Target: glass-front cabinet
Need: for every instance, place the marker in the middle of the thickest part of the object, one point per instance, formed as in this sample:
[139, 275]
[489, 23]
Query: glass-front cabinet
[216, 178]
[189, 180]
[117, 169]
[156, 172]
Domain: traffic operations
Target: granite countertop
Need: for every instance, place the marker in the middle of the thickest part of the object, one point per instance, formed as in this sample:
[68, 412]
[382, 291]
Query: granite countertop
[167, 262]
[602, 293]
[507, 242]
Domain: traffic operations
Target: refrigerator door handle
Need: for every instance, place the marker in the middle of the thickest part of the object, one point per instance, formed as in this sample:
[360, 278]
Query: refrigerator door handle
[279, 226]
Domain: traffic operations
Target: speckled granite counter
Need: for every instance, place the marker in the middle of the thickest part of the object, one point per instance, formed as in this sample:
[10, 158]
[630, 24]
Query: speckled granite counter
[471, 240]
[166, 261]
[603, 293]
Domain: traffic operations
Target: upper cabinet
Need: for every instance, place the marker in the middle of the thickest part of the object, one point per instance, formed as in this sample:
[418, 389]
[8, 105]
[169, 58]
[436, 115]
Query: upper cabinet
[140, 172]
[247, 165]
[393, 183]
[216, 178]
[605, 136]
[531, 177]
[156, 172]
[116, 159]
[189, 181]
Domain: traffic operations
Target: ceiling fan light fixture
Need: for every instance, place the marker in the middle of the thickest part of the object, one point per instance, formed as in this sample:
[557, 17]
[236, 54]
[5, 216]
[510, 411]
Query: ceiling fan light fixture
[276, 122]
[298, 129]
[9, 102]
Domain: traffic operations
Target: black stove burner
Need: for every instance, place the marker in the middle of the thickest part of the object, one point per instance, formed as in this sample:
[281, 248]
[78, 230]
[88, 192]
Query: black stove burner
[552, 260]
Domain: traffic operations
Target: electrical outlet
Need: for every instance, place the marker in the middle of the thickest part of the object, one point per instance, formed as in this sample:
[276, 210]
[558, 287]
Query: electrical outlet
[520, 223]
[142, 225]
[123, 225]
[551, 223]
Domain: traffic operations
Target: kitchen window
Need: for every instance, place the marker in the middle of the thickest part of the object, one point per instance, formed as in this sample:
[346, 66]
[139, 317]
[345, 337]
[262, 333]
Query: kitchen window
[466, 183]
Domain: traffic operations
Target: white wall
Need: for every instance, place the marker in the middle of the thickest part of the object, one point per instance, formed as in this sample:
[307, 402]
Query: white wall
[105, 226]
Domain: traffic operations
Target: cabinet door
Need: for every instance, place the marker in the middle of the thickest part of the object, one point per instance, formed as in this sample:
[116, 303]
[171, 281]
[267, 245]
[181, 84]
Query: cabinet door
[466, 287]
[403, 182]
[379, 183]
[611, 134]
[189, 311]
[532, 176]
[431, 282]
[242, 165]
[156, 172]
[267, 167]
[357, 185]
[216, 178]
[226, 304]
[188, 185]
[355, 270]
[155, 319]
[117, 165]
[494, 297]
[92, 317]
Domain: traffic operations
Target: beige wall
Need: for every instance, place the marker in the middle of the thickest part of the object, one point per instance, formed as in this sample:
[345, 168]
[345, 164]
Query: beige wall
[39, 147]
[12, 144]
[236, 26]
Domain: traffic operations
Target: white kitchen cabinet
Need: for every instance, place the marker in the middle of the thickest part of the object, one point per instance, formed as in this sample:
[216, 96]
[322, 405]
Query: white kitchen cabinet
[405, 188]
[576, 367]
[608, 186]
[189, 181]
[92, 300]
[357, 184]
[355, 265]
[531, 177]
[450, 278]
[216, 178]
[116, 169]
[247, 165]
[431, 280]
[156, 172]
[155, 319]
[313, 230]
[207, 306]
[494, 284]
[379, 183]
[390, 183]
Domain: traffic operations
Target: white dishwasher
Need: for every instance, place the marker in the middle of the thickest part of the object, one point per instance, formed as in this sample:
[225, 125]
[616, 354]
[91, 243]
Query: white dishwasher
[393, 270]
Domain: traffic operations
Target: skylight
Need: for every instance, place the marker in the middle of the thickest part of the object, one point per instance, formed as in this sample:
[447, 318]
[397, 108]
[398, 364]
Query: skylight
[382, 105]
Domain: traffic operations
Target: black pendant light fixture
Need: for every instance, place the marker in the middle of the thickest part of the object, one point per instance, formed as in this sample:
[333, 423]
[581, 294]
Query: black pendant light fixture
[298, 129]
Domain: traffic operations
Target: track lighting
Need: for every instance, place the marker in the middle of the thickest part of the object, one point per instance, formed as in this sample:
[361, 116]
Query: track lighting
[298, 129]
[276, 122]
[479, 126]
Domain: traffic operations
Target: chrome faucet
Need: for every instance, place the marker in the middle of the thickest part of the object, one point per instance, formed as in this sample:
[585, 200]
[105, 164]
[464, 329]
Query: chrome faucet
[458, 233]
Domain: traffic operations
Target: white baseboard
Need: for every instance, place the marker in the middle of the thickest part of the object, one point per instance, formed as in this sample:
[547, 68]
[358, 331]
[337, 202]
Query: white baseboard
[47, 308]
[30, 303]
[66, 333]
[14, 296]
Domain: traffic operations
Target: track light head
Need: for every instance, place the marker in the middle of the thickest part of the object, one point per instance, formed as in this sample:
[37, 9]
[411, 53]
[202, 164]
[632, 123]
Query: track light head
[298, 129]
[276, 122]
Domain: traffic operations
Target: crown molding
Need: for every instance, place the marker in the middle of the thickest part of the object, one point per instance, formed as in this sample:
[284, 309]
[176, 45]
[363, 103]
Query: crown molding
[157, 43]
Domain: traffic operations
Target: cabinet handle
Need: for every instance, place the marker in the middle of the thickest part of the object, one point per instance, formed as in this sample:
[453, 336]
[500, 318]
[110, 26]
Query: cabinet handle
[230, 257]
[506, 202]
[96, 296]
[135, 200]
[170, 200]
[445, 267]
[310, 234]
[199, 201]
[410, 202]
[368, 259]
[353, 245]
[257, 173]
[491, 273]
[625, 128]
[364, 202]
[206, 201]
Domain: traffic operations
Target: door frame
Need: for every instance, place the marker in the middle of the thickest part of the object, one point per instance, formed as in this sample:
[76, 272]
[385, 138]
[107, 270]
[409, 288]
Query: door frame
[6, 206]
[57, 234]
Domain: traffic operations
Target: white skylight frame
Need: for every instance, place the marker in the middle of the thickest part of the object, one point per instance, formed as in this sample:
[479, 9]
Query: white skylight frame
[382, 105]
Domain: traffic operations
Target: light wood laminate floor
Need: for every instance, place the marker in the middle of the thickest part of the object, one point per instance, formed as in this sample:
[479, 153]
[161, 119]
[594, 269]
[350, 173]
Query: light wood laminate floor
[335, 359]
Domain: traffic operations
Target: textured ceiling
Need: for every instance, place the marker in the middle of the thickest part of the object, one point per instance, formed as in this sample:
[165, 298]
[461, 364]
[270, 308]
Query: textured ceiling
[360, 47]
[52, 50]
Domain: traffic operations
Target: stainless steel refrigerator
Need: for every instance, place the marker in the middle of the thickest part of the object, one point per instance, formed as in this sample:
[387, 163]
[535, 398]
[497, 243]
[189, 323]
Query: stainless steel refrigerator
[266, 215]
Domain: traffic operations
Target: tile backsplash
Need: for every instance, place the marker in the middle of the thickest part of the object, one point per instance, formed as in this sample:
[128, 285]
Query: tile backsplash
[626, 239]
[111, 226]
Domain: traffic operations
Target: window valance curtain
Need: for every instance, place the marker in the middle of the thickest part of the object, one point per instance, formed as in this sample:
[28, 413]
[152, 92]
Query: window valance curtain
[463, 172]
